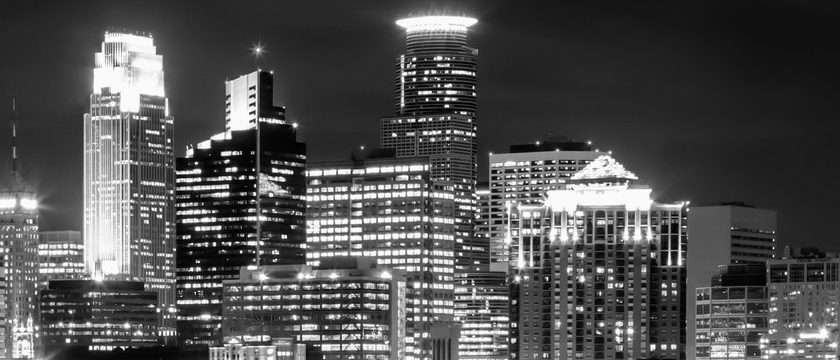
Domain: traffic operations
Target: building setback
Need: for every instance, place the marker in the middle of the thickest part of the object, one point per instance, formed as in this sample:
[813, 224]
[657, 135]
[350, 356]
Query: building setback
[345, 308]
[391, 209]
[129, 171]
[19, 262]
[79, 315]
[240, 193]
[598, 271]
[723, 234]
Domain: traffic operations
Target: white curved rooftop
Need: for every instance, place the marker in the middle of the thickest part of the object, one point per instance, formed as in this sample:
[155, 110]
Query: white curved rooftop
[437, 22]
[604, 167]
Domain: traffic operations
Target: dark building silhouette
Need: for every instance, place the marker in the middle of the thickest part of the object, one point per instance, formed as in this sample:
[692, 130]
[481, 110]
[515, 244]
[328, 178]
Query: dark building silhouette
[241, 202]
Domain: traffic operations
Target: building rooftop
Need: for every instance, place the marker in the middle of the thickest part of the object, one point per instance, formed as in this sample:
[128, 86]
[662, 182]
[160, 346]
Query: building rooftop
[437, 23]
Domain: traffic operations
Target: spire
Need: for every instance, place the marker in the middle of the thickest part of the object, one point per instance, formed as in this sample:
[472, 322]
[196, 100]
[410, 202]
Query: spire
[15, 166]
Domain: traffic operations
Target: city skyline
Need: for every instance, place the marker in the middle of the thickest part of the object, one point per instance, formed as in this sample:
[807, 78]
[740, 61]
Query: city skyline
[495, 215]
[699, 78]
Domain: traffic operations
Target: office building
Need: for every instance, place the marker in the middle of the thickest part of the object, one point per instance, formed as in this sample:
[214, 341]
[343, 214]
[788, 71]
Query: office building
[241, 202]
[523, 175]
[391, 209]
[804, 295]
[97, 315]
[732, 314]
[129, 170]
[481, 307]
[279, 349]
[598, 270]
[722, 234]
[19, 262]
[344, 308]
[436, 102]
[60, 256]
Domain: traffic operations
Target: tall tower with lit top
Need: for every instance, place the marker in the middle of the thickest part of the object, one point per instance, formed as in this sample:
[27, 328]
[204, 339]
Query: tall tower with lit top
[129, 168]
[19, 251]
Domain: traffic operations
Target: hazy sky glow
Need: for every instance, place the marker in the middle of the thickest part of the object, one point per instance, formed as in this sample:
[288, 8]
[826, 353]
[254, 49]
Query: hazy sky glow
[707, 101]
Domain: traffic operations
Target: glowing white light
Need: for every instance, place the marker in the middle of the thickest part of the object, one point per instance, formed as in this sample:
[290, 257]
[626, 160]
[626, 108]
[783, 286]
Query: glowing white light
[29, 204]
[437, 23]
[334, 276]
[385, 275]
[263, 277]
[604, 167]
[8, 203]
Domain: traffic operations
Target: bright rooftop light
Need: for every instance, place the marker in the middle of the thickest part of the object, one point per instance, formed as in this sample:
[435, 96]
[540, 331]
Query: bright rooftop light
[437, 23]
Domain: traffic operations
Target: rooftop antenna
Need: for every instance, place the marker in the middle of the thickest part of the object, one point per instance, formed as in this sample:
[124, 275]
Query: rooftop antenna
[15, 165]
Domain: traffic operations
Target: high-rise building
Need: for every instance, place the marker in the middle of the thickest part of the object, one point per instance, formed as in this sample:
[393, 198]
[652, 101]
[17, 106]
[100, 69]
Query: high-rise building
[129, 170]
[722, 234]
[97, 315]
[523, 175]
[61, 256]
[344, 308]
[598, 270]
[19, 251]
[391, 209]
[240, 193]
[732, 314]
[436, 100]
[481, 307]
[804, 296]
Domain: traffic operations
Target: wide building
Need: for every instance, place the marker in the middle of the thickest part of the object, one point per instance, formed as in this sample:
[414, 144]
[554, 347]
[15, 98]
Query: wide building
[241, 202]
[723, 234]
[598, 271]
[344, 308]
[732, 314]
[804, 296]
[60, 256]
[79, 316]
[391, 209]
[129, 170]
[19, 262]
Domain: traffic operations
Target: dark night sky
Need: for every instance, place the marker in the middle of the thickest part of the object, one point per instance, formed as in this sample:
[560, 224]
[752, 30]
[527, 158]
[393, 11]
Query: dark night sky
[707, 101]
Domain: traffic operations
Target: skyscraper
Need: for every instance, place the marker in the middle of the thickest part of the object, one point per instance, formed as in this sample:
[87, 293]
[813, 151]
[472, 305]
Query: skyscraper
[391, 209]
[723, 234]
[19, 251]
[241, 202]
[523, 175]
[598, 270]
[436, 99]
[129, 170]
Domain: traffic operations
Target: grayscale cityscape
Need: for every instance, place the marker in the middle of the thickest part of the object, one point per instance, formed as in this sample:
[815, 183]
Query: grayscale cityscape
[394, 228]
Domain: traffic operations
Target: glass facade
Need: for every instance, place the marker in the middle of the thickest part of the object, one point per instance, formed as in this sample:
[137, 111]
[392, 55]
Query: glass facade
[61, 256]
[730, 322]
[392, 210]
[346, 308]
[240, 193]
[97, 316]
[129, 170]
